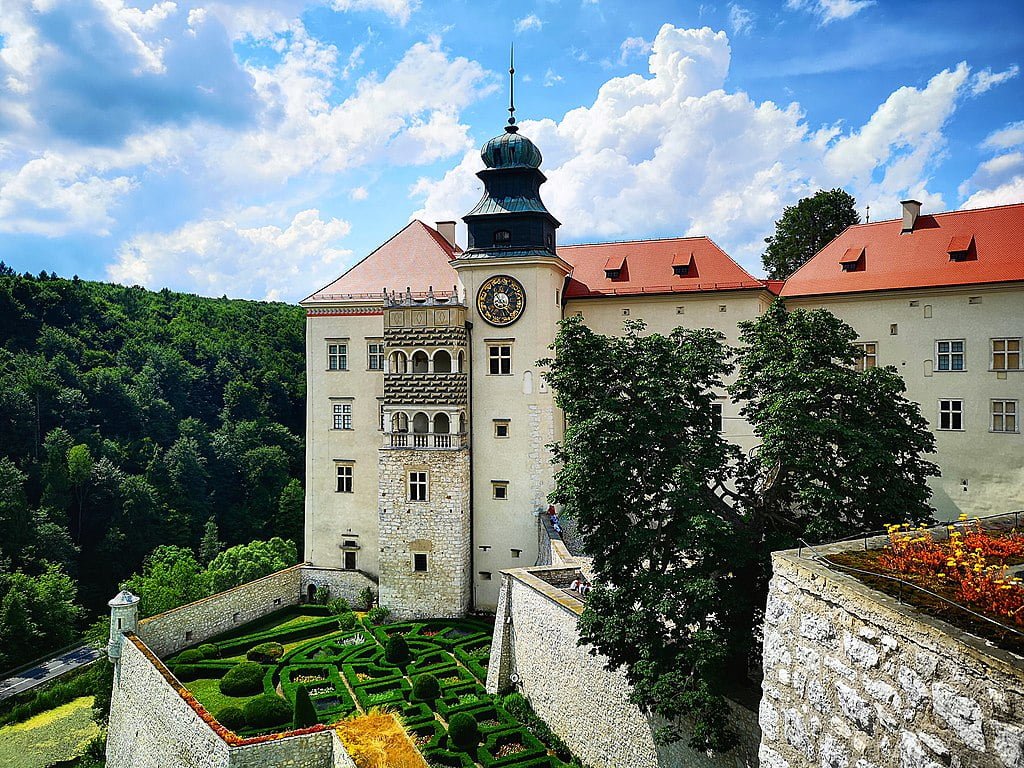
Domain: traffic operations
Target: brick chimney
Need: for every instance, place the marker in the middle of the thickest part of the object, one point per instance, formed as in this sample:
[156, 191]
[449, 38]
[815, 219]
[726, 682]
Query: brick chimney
[911, 210]
[447, 231]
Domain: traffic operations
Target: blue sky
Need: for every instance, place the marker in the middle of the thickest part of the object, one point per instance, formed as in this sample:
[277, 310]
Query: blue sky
[258, 148]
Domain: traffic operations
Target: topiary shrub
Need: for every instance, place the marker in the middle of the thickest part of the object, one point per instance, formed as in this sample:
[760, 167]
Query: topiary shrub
[379, 615]
[231, 717]
[397, 651]
[186, 672]
[267, 712]
[347, 621]
[191, 656]
[243, 679]
[303, 713]
[265, 653]
[339, 606]
[366, 598]
[209, 651]
[426, 688]
[463, 731]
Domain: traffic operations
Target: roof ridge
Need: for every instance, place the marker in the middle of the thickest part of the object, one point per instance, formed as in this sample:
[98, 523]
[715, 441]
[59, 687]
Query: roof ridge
[956, 212]
[638, 240]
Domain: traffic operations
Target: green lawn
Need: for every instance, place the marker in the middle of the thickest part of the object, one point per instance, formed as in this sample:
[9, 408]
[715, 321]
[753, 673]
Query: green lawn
[208, 693]
[57, 734]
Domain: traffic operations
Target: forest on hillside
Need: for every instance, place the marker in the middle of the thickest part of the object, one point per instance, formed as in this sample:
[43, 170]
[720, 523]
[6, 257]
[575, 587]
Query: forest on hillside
[132, 420]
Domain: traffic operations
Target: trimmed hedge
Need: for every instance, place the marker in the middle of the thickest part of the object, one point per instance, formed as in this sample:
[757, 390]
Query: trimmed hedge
[267, 712]
[347, 621]
[231, 717]
[209, 651]
[463, 731]
[290, 634]
[243, 679]
[378, 615]
[519, 708]
[190, 656]
[186, 673]
[397, 651]
[486, 755]
[425, 688]
[303, 713]
[265, 653]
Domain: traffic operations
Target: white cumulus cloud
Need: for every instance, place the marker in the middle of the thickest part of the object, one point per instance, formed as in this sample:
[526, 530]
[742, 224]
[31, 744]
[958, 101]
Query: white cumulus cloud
[528, 23]
[985, 79]
[1000, 179]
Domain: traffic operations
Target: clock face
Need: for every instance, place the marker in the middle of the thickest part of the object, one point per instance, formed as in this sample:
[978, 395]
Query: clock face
[501, 300]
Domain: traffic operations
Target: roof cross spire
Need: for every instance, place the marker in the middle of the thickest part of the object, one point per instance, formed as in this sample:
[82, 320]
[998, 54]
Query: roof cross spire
[512, 127]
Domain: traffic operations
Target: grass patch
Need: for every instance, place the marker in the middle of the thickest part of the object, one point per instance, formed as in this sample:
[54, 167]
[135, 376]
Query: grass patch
[207, 690]
[57, 734]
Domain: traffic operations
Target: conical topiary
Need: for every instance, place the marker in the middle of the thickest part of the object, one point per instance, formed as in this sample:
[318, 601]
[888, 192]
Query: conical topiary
[304, 712]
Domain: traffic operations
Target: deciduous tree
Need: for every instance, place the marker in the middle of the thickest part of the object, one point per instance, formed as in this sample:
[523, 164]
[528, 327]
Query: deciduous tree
[806, 228]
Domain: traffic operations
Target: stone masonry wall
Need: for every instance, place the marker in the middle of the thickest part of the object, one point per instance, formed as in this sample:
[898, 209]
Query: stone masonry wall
[438, 527]
[339, 582]
[853, 679]
[168, 632]
[535, 637]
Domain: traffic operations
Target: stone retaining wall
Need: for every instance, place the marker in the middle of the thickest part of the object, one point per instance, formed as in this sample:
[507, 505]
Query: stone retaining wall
[853, 679]
[535, 637]
[339, 582]
[169, 632]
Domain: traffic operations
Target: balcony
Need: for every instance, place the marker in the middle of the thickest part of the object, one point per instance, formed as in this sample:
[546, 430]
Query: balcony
[427, 441]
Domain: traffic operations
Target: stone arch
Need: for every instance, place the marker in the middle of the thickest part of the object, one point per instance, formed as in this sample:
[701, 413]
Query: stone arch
[442, 424]
[442, 361]
[420, 362]
[462, 422]
[527, 382]
[420, 423]
[462, 362]
[399, 362]
[399, 422]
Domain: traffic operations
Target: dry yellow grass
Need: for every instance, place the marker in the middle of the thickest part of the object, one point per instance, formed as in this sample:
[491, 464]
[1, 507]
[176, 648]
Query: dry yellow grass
[378, 740]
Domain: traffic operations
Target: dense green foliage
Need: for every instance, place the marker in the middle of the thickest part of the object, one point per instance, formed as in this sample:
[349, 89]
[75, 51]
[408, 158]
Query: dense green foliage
[131, 419]
[266, 712]
[231, 717]
[264, 653]
[303, 713]
[426, 687]
[806, 228]
[397, 650]
[681, 524]
[463, 730]
[243, 679]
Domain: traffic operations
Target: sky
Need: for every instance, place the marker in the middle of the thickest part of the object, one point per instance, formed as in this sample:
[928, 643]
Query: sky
[256, 149]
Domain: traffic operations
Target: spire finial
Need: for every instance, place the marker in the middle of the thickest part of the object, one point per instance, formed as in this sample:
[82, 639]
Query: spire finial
[512, 127]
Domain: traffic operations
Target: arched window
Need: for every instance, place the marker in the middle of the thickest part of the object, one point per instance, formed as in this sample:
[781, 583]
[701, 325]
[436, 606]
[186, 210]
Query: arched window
[419, 362]
[420, 424]
[442, 424]
[442, 362]
[399, 422]
[462, 362]
[462, 423]
[398, 362]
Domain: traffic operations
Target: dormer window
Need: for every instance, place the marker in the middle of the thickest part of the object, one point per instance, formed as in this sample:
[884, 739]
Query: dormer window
[614, 267]
[502, 236]
[960, 247]
[684, 265]
[852, 260]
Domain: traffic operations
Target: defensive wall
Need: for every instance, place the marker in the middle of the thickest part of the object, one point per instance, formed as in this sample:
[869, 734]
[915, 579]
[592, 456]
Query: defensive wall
[855, 679]
[536, 645]
[169, 632]
[153, 725]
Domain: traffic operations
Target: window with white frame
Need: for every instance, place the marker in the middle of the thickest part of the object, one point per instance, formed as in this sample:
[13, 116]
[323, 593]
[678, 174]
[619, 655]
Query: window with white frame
[375, 356]
[337, 356]
[343, 472]
[1006, 354]
[1004, 416]
[501, 428]
[869, 355]
[342, 415]
[499, 489]
[499, 359]
[951, 415]
[949, 355]
[418, 486]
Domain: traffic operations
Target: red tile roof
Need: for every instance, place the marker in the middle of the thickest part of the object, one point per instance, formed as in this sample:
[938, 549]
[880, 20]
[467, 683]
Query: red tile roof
[648, 268]
[416, 258]
[921, 258]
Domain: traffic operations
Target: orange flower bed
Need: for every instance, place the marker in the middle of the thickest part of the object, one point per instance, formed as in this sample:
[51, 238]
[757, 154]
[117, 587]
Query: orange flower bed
[972, 562]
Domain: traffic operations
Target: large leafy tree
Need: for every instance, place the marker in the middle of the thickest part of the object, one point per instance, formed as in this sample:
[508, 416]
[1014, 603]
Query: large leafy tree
[806, 228]
[637, 469]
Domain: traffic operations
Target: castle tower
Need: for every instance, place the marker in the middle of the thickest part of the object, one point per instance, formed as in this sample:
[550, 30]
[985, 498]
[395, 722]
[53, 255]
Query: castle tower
[513, 279]
[124, 617]
[423, 466]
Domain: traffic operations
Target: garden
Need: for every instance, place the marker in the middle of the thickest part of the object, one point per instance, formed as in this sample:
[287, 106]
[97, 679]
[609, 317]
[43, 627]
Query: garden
[967, 566]
[320, 665]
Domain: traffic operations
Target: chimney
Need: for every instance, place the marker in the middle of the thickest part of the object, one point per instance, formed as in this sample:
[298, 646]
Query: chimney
[447, 231]
[911, 210]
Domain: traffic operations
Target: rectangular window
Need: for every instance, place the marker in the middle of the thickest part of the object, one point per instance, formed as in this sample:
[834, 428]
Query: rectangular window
[485, 575]
[343, 415]
[337, 356]
[499, 358]
[419, 561]
[375, 356]
[417, 486]
[951, 415]
[344, 476]
[501, 428]
[499, 489]
[350, 561]
[516, 552]
[1006, 354]
[1004, 416]
[869, 352]
[949, 355]
[716, 416]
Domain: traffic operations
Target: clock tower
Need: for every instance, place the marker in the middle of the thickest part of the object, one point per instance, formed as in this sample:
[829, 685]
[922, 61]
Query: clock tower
[513, 278]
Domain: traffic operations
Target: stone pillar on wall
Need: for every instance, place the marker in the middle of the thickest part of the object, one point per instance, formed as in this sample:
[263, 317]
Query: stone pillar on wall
[499, 666]
[124, 617]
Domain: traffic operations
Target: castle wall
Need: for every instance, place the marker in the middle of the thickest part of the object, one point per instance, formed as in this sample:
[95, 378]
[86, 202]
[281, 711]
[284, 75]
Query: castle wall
[338, 581]
[853, 679]
[438, 527]
[168, 632]
[535, 637]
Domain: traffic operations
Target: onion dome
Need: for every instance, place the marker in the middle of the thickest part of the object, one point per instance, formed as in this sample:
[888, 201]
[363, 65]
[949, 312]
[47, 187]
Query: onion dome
[510, 150]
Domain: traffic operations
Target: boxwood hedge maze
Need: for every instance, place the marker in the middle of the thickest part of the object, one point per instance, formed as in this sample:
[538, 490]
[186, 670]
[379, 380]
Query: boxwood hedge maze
[345, 672]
